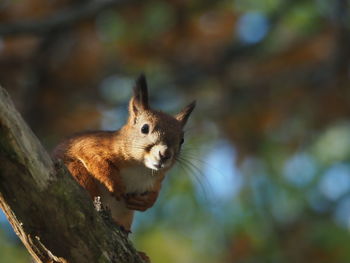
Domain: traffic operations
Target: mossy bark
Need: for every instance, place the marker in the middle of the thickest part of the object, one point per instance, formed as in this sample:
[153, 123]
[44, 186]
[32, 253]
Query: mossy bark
[49, 211]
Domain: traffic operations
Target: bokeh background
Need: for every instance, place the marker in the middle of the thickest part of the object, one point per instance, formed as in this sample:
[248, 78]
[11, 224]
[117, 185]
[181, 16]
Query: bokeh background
[266, 170]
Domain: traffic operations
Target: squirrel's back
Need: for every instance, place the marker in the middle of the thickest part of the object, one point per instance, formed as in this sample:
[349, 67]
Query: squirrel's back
[76, 144]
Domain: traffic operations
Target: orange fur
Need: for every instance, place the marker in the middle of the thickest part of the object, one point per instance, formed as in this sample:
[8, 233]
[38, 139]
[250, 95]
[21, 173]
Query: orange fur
[126, 167]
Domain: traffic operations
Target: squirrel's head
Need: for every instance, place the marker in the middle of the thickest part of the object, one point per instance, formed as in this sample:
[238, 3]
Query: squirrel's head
[155, 138]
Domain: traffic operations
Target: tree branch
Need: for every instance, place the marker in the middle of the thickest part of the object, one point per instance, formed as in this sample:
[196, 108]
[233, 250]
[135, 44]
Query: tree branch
[60, 20]
[48, 210]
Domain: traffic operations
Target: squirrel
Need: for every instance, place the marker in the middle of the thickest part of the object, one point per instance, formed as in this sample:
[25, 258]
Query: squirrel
[125, 168]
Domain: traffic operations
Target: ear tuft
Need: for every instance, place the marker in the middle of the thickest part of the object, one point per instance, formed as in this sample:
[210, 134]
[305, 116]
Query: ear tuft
[140, 91]
[139, 101]
[185, 113]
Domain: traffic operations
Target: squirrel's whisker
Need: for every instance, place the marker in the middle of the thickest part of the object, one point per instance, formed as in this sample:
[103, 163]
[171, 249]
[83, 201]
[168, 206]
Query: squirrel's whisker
[195, 173]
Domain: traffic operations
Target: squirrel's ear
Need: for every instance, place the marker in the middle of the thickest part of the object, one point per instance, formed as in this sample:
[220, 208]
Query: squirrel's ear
[139, 101]
[185, 113]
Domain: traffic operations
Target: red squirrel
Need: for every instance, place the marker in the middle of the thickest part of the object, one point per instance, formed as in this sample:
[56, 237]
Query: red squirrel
[125, 168]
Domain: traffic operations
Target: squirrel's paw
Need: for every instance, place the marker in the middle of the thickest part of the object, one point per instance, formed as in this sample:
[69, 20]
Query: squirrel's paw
[118, 196]
[117, 193]
[140, 202]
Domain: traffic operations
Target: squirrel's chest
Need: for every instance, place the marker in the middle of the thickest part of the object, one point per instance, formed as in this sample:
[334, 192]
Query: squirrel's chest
[138, 179]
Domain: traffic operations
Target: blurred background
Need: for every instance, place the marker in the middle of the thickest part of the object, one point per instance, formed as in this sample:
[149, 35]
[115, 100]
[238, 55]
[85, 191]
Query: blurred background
[266, 176]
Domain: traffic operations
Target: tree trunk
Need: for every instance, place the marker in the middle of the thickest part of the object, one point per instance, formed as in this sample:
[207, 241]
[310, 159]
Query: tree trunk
[49, 211]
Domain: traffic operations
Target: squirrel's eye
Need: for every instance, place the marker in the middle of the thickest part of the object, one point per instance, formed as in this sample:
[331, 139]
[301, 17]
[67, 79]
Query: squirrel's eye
[182, 141]
[145, 129]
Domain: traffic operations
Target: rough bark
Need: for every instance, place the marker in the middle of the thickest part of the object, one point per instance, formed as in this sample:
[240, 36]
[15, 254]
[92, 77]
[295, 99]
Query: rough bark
[49, 211]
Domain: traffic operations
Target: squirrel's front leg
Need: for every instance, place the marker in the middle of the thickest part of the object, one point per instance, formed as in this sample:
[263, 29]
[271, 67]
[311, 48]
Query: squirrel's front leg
[140, 202]
[108, 174]
[143, 201]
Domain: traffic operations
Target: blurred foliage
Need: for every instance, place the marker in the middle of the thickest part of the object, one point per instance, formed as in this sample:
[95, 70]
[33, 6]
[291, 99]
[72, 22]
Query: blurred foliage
[265, 173]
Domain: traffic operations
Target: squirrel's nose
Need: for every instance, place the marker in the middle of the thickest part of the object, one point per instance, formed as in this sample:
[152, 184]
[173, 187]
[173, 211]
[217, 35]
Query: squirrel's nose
[165, 154]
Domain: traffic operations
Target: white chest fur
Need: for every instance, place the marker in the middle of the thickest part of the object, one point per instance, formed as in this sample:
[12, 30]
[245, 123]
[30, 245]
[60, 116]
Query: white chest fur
[138, 179]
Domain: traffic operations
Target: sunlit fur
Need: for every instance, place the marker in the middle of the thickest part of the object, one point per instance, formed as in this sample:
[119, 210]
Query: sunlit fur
[126, 167]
